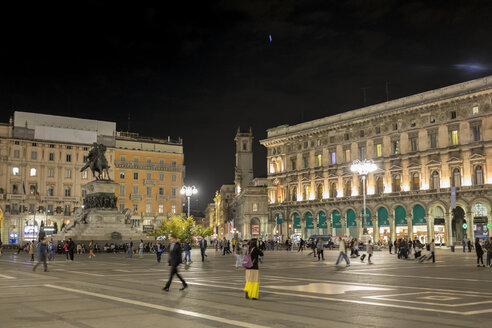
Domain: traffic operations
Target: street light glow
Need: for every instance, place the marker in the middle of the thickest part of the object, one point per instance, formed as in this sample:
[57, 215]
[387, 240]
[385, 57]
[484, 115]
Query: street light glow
[188, 191]
[363, 167]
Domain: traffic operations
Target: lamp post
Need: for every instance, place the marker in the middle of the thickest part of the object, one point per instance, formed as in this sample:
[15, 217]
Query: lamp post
[363, 167]
[188, 192]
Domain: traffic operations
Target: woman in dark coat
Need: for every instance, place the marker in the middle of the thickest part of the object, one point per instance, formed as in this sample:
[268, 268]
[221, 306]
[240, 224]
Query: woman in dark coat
[479, 250]
[252, 287]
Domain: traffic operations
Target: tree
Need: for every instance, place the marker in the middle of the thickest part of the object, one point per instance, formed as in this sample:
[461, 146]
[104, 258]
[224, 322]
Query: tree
[184, 229]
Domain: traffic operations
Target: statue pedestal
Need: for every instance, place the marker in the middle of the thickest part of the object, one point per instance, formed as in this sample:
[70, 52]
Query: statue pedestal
[99, 219]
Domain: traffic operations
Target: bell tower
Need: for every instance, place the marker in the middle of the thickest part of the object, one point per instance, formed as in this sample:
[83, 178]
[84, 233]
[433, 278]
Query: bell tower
[244, 159]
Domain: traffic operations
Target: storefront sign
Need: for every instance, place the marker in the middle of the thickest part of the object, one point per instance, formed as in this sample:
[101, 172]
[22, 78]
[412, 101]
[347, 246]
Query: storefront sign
[13, 238]
[49, 230]
[309, 221]
[255, 229]
[335, 216]
[297, 221]
[148, 227]
[322, 220]
[31, 232]
[465, 225]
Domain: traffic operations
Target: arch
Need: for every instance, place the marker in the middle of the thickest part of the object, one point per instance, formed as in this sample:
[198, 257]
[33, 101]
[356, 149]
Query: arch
[458, 232]
[336, 219]
[383, 217]
[418, 215]
[400, 216]
[321, 216]
[296, 221]
[351, 221]
[308, 217]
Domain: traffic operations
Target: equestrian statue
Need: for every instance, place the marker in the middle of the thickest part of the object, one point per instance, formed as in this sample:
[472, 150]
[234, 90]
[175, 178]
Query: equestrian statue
[97, 162]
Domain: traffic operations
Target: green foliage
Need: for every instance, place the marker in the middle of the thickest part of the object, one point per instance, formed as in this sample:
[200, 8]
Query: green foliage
[184, 228]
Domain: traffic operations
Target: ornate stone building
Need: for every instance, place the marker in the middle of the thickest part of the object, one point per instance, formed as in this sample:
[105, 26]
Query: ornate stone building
[426, 147]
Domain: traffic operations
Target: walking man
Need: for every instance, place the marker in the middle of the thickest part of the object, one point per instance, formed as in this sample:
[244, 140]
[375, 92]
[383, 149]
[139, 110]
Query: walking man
[71, 248]
[390, 245]
[320, 247]
[301, 245]
[130, 249]
[91, 249]
[203, 248]
[343, 252]
[174, 261]
[187, 250]
[432, 250]
[31, 250]
[42, 250]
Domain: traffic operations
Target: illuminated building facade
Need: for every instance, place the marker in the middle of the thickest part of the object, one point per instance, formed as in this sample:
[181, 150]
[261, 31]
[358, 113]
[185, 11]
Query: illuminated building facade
[426, 146]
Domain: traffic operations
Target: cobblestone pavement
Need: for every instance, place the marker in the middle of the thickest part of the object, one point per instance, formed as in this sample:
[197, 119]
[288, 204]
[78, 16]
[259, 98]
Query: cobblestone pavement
[296, 291]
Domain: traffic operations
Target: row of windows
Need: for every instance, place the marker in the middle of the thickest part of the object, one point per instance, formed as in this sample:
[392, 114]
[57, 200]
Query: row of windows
[396, 186]
[34, 144]
[50, 210]
[51, 156]
[378, 150]
[135, 190]
[148, 208]
[51, 172]
[149, 176]
[377, 130]
[136, 160]
[33, 190]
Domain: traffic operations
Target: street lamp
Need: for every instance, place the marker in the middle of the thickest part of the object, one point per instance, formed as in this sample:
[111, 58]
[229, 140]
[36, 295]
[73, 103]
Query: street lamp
[188, 192]
[363, 167]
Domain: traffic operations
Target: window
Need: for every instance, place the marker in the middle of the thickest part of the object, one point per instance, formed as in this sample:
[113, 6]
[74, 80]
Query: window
[347, 155]
[453, 115]
[305, 144]
[456, 178]
[318, 142]
[16, 153]
[173, 163]
[173, 192]
[149, 176]
[68, 173]
[319, 192]
[85, 175]
[32, 172]
[396, 183]
[332, 139]
[85, 158]
[161, 176]
[67, 210]
[135, 189]
[413, 144]
[173, 209]
[318, 160]
[379, 150]
[161, 208]
[379, 185]
[255, 207]
[34, 144]
[50, 190]
[149, 192]
[52, 146]
[135, 160]
[15, 189]
[396, 146]
[135, 175]
[34, 155]
[69, 157]
[395, 126]
[85, 148]
[32, 208]
[415, 181]
[123, 158]
[174, 177]
[346, 136]
[478, 175]
[122, 174]
[294, 194]
[432, 119]
[413, 124]
[362, 152]
[84, 193]
[32, 189]
[305, 159]
[454, 137]
[161, 163]
[333, 190]
[135, 207]
[149, 161]
[476, 133]
[433, 140]
[122, 207]
[361, 133]
[161, 191]
[50, 209]
[51, 156]
[68, 191]
[245, 146]
[69, 147]
[293, 163]
[51, 172]
[333, 157]
[15, 171]
[378, 130]
[348, 188]
[16, 142]
[122, 190]
[475, 110]
[148, 208]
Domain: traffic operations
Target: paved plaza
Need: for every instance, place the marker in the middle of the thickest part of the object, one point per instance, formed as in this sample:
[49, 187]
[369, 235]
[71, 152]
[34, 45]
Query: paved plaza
[296, 291]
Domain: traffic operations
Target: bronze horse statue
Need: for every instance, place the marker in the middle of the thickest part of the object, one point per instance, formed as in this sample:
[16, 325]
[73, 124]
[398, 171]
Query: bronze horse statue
[97, 162]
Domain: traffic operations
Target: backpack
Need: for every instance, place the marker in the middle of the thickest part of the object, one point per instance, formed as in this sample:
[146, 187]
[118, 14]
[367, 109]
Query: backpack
[247, 261]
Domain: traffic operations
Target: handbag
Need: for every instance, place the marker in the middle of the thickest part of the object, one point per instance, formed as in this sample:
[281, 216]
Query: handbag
[247, 261]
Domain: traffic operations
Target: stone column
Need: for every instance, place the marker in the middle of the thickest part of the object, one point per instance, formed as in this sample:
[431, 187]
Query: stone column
[449, 234]
[469, 221]
[410, 227]
[430, 228]
[392, 226]
[375, 228]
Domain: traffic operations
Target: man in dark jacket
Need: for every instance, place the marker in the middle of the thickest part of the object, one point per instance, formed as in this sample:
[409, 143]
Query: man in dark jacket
[203, 248]
[174, 261]
[71, 248]
[42, 252]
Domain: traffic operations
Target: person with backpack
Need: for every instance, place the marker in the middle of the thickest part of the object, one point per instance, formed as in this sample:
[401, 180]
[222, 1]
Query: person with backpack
[250, 262]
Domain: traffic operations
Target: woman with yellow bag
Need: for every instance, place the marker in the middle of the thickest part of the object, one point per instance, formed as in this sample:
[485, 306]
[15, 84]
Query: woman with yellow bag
[250, 262]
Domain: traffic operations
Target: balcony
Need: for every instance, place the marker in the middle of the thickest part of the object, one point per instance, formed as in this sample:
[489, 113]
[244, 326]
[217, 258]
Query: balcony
[162, 197]
[150, 166]
[16, 197]
[136, 196]
[149, 182]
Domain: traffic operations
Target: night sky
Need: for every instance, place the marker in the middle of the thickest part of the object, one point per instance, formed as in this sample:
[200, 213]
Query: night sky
[198, 70]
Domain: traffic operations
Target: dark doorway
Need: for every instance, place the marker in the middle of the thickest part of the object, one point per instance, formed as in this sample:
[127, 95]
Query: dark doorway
[457, 224]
